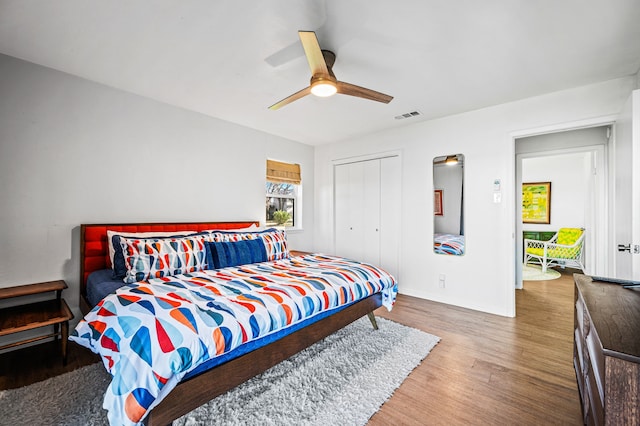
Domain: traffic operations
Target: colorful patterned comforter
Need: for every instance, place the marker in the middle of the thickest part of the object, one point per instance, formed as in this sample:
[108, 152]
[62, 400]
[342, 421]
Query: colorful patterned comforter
[151, 333]
[448, 244]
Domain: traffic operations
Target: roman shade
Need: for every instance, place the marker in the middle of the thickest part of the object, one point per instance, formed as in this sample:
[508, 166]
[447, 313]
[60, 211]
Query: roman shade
[279, 172]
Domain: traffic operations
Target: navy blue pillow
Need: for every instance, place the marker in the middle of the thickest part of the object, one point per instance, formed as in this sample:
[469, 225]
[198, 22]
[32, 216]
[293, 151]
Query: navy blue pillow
[235, 253]
[119, 266]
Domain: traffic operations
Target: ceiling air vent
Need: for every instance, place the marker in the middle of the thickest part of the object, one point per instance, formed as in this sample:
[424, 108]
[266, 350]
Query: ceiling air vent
[407, 115]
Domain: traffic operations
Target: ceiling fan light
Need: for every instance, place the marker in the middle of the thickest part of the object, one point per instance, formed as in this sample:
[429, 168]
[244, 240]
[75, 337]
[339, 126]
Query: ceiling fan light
[324, 89]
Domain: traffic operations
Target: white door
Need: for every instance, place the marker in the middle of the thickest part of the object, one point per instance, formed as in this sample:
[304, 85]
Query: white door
[635, 191]
[390, 219]
[341, 209]
[367, 211]
[349, 199]
[370, 212]
[625, 190]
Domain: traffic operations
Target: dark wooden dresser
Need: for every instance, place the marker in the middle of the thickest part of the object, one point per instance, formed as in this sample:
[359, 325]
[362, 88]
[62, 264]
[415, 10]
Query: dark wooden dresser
[606, 352]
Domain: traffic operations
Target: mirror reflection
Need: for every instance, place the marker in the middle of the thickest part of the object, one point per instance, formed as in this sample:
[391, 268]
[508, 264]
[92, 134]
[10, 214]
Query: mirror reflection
[448, 205]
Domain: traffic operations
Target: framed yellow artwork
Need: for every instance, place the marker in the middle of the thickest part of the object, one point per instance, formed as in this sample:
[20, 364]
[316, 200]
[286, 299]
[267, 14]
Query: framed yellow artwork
[536, 202]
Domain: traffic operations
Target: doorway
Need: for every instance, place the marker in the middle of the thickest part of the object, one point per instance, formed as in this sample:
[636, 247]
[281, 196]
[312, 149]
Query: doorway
[574, 162]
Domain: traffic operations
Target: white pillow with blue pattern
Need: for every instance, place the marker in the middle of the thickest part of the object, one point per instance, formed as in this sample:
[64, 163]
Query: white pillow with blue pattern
[161, 257]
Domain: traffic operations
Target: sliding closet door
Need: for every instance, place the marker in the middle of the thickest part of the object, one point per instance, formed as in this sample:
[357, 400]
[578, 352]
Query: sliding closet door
[390, 218]
[367, 211]
[349, 196]
[370, 214]
[341, 209]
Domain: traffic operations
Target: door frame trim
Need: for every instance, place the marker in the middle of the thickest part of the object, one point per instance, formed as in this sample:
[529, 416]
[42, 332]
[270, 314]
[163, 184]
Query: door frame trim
[516, 268]
[366, 157]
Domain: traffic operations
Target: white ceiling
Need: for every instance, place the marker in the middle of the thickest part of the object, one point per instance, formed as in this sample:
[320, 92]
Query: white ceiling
[231, 59]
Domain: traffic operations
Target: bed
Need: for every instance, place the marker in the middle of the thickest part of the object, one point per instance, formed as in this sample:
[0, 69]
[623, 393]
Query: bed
[451, 244]
[346, 290]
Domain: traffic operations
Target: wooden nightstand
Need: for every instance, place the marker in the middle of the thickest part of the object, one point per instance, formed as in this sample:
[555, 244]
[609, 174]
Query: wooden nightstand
[29, 316]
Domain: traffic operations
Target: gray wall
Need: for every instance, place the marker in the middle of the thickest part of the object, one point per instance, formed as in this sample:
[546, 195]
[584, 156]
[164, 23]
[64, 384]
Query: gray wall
[73, 151]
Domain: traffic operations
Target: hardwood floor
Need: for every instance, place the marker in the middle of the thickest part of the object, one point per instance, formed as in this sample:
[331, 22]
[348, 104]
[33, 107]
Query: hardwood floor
[33, 364]
[491, 370]
[487, 369]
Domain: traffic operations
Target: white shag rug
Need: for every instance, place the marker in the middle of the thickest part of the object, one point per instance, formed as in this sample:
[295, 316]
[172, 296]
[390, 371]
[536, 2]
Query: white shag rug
[534, 273]
[343, 379]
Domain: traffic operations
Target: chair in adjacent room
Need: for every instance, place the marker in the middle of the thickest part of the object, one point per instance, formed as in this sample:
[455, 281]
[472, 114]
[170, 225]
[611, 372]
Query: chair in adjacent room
[566, 248]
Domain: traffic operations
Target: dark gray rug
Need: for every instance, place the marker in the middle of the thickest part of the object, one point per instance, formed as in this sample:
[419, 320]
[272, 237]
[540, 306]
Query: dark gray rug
[343, 379]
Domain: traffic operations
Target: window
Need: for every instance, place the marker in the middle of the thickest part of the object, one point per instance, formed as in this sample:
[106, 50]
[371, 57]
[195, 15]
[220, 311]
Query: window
[283, 190]
[281, 204]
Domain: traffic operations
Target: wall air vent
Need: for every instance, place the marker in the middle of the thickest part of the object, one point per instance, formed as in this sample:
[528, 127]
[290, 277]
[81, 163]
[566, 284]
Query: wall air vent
[408, 115]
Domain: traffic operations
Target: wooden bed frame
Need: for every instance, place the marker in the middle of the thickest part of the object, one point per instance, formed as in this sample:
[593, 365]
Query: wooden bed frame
[198, 390]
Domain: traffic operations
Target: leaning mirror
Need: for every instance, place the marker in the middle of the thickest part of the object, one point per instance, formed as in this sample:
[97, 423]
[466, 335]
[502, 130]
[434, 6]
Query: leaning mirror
[448, 205]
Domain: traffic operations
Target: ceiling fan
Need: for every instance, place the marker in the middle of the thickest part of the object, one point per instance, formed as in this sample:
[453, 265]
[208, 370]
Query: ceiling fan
[323, 81]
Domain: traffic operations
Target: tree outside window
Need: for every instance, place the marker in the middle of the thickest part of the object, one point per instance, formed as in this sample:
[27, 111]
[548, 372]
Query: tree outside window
[281, 202]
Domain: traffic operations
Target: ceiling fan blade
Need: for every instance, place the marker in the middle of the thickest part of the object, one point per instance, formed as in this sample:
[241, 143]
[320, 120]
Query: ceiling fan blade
[361, 92]
[302, 93]
[313, 52]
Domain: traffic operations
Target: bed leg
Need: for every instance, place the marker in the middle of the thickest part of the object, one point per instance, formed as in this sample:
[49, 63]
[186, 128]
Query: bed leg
[145, 422]
[372, 318]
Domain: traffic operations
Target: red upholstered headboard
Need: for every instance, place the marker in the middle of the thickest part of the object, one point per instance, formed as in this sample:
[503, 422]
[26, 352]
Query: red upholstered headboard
[94, 249]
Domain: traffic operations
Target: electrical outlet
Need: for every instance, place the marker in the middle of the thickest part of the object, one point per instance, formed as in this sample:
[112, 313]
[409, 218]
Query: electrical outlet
[441, 279]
